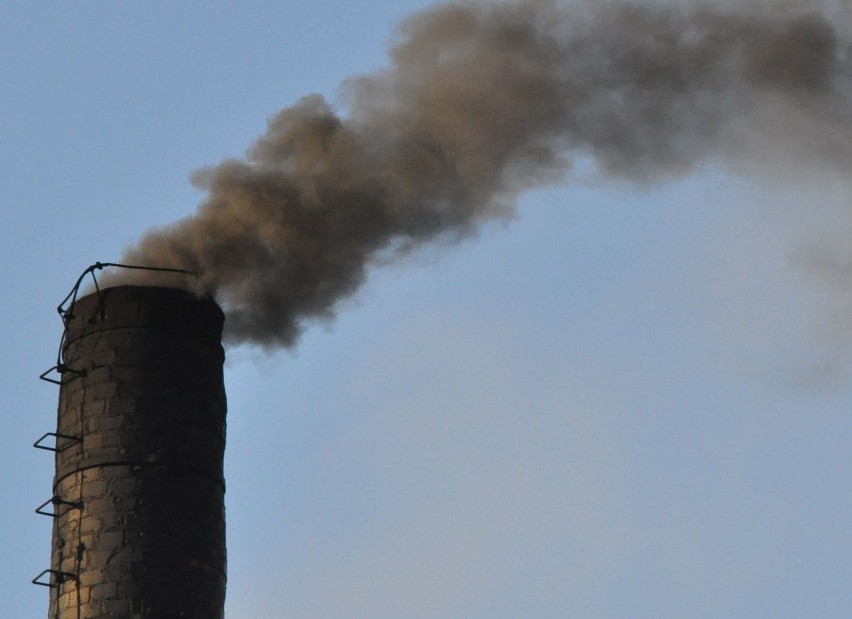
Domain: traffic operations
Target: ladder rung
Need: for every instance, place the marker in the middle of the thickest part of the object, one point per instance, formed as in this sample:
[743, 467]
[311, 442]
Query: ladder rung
[59, 578]
[56, 502]
[69, 440]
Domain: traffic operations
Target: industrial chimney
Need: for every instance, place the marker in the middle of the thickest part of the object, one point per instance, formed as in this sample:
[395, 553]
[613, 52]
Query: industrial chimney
[138, 495]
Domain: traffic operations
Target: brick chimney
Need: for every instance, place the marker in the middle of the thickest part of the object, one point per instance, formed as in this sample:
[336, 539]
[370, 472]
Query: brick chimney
[138, 495]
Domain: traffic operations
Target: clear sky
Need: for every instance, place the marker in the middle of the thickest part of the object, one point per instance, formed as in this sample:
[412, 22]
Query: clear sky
[626, 402]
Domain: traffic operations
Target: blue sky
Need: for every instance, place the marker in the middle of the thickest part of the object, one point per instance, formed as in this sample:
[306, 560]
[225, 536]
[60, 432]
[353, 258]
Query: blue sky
[626, 402]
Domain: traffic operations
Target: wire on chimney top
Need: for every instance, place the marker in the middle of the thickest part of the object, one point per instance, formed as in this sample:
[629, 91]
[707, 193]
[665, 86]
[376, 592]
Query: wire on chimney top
[66, 313]
[97, 266]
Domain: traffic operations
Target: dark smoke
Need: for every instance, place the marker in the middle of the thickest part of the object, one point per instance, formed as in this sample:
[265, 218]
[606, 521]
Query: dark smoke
[483, 100]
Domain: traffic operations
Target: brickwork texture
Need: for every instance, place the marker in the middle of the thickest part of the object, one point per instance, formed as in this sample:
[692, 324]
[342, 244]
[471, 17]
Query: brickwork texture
[141, 522]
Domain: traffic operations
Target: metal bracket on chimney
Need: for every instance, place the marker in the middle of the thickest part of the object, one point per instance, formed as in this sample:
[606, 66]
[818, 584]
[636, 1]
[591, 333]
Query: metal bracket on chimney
[56, 501]
[69, 440]
[61, 368]
[59, 578]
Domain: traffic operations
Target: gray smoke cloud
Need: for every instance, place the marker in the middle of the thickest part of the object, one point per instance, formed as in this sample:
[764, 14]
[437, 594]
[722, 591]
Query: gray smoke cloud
[481, 101]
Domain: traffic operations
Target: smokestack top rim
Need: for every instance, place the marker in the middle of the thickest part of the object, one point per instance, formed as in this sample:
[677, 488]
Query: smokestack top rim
[145, 289]
[143, 306]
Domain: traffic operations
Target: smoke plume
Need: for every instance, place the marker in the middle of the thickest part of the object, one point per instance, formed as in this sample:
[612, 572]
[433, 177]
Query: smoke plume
[483, 100]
